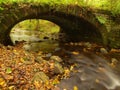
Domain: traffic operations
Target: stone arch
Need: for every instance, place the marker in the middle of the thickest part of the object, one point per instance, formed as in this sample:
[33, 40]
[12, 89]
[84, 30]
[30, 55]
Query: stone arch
[77, 22]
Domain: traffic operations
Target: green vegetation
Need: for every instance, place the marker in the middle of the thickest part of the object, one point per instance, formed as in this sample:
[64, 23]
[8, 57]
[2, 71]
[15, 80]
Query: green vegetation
[40, 25]
[111, 5]
[44, 28]
[101, 19]
[115, 7]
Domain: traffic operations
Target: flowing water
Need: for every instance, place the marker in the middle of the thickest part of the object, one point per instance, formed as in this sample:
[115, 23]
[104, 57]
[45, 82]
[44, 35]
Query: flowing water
[91, 72]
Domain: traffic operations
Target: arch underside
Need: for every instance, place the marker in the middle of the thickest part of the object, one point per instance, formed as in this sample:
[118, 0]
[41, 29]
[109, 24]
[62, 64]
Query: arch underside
[76, 28]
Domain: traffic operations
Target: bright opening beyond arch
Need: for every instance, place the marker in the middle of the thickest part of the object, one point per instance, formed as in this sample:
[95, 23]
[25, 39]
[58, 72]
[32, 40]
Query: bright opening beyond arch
[34, 30]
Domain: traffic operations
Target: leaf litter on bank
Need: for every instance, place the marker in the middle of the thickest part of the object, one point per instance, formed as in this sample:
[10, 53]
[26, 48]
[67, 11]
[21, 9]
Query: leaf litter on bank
[16, 74]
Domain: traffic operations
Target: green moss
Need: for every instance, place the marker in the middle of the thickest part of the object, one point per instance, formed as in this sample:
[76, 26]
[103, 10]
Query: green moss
[111, 5]
[116, 7]
[1, 9]
[102, 19]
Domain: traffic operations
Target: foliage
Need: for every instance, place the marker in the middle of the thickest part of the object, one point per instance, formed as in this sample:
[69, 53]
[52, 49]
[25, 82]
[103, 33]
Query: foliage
[116, 7]
[1, 8]
[112, 5]
[101, 19]
[39, 24]
[44, 28]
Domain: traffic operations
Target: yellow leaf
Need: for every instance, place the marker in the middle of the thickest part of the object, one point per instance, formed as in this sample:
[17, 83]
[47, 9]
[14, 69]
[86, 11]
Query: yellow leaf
[11, 87]
[2, 82]
[112, 65]
[97, 80]
[14, 51]
[22, 60]
[75, 88]
[37, 84]
[67, 71]
[52, 65]
[72, 67]
[64, 89]
[75, 53]
[56, 81]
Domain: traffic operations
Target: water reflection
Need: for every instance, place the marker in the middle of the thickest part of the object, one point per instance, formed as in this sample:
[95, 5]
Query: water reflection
[47, 46]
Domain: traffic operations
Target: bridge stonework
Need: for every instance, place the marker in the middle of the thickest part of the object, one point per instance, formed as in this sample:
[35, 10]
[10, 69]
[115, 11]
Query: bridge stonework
[79, 23]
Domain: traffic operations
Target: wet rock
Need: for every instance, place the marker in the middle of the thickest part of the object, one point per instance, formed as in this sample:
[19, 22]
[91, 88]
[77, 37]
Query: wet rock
[39, 59]
[114, 61]
[40, 77]
[88, 44]
[58, 68]
[76, 44]
[56, 58]
[80, 44]
[49, 55]
[27, 47]
[71, 43]
[27, 60]
[103, 51]
[57, 49]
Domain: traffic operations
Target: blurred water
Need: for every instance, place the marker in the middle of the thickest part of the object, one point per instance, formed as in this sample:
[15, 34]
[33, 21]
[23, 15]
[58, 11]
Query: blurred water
[93, 73]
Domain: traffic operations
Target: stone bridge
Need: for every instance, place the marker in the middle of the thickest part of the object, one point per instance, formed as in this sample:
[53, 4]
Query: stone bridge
[79, 23]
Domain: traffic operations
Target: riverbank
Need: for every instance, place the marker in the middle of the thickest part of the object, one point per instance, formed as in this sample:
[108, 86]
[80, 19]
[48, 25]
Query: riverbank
[20, 69]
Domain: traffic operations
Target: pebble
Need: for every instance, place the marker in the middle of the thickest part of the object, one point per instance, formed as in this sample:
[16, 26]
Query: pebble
[49, 55]
[27, 47]
[71, 43]
[39, 59]
[103, 51]
[114, 60]
[88, 44]
[58, 69]
[56, 58]
[40, 77]
[57, 49]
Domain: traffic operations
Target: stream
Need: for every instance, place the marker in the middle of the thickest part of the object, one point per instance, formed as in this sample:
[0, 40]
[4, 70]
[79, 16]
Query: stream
[91, 72]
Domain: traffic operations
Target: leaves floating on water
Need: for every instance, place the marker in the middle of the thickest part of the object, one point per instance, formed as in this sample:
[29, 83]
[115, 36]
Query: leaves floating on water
[75, 88]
